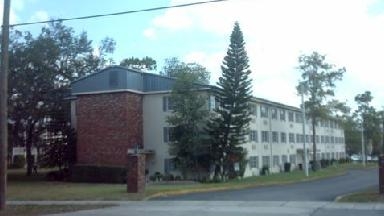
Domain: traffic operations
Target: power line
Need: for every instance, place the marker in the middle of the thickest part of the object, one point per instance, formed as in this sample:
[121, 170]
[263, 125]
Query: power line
[118, 13]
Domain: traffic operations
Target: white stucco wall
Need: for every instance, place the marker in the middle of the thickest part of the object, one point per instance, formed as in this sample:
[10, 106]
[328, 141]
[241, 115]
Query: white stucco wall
[154, 120]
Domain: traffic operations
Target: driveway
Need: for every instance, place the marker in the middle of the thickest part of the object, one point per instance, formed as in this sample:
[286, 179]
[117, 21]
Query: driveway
[319, 190]
[312, 198]
[230, 208]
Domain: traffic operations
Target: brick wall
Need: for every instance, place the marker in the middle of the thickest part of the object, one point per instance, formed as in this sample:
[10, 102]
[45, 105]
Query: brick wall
[107, 125]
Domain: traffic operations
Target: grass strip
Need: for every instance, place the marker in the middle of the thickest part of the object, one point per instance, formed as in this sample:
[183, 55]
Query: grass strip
[32, 210]
[19, 188]
[368, 195]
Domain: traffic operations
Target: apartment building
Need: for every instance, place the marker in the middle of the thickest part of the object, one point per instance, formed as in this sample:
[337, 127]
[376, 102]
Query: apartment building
[117, 109]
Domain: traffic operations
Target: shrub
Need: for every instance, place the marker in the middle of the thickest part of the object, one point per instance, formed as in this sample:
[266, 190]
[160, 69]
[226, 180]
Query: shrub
[100, 174]
[158, 176]
[287, 167]
[18, 162]
[325, 163]
[59, 175]
[168, 177]
[264, 170]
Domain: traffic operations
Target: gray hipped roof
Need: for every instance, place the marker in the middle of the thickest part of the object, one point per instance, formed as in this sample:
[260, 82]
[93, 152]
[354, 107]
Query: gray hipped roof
[116, 78]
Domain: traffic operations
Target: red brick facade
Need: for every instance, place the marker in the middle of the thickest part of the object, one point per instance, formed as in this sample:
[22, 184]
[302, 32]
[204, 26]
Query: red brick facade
[136, 173]
[107, 125]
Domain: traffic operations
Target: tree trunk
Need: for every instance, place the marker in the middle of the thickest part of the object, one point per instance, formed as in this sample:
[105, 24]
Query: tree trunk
[28, 147]
[314, 161]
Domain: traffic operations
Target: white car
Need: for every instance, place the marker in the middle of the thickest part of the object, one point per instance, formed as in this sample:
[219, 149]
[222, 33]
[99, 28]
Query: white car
[355, 157]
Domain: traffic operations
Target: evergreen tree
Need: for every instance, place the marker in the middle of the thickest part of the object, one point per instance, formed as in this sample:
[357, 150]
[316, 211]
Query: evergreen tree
[229, 127]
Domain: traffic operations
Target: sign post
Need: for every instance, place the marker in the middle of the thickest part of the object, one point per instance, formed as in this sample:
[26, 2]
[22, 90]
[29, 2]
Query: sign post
[381, 174]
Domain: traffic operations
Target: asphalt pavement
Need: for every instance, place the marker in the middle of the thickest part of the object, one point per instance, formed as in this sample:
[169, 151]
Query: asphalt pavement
[311, 198]
[230, 208]
[319, 190]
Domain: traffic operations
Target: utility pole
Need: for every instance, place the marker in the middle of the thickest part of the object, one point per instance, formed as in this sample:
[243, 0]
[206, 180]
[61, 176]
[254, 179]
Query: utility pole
[3, 104]
[304, 118]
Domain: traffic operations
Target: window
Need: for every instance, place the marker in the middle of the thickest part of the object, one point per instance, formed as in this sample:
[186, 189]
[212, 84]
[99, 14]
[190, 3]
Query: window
[273, 113]
[292, 159]
[254, 161]
[307, 138]
[167, 103]
[326, 123]
[322, 139]
[332, 139]
[168, 134]
[276, 160]
[291, 138]
[253, 109]
[275, 136]
[290, 116]
[299, 138]
[282, 115]
[211, 102]
[169, 165]
[299, 117]
[317, 138]
[264, 136]
[283, 137]
[284, 159]
[253, 136]
[263, 112]
[266, 162]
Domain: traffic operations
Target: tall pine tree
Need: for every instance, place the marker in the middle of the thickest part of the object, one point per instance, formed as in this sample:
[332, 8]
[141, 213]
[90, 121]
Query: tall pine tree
[229, 127]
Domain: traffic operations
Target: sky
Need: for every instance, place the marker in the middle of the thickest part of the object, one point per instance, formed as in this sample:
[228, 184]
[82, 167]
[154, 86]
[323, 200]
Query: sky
[349, 32]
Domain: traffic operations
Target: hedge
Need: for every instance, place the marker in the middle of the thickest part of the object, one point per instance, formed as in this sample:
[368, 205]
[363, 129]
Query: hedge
[99, 174]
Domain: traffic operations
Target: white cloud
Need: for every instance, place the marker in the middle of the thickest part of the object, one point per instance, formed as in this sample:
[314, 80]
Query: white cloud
[173, 20]
[16, 6]
[40, 15]
[150, 33]
[209, 60]
[277, 32]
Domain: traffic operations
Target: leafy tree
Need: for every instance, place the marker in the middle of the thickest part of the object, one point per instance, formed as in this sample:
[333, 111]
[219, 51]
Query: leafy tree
[367, 115]
[40, 70]
[188, 119]
[173, 66]
[229, 127]
[60, 148]
[146, 63]
[318, 84]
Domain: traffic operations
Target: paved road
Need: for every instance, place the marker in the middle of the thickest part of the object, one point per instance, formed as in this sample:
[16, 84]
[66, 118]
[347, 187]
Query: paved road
[320, 190]
[230, 208]
[293, 199]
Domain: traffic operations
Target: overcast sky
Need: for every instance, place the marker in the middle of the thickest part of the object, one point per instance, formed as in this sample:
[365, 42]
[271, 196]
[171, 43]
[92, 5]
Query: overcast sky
[277, 32]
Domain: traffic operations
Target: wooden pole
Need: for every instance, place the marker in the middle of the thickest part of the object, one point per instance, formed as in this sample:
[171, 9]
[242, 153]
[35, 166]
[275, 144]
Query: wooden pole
[3, 104]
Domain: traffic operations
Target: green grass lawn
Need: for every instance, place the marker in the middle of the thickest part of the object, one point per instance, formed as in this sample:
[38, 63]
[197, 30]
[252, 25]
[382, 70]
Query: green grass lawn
[21, 187]
[32, 210]
[368, 195]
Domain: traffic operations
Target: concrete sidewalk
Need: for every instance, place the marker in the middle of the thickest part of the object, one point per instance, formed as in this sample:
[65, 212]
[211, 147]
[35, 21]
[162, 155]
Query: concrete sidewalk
[216, 208]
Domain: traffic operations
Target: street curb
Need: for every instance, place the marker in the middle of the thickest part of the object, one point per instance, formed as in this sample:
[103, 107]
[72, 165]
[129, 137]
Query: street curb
[175, 193]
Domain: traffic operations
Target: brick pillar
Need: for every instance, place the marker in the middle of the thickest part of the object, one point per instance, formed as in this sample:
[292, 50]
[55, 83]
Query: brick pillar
[136, 173]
